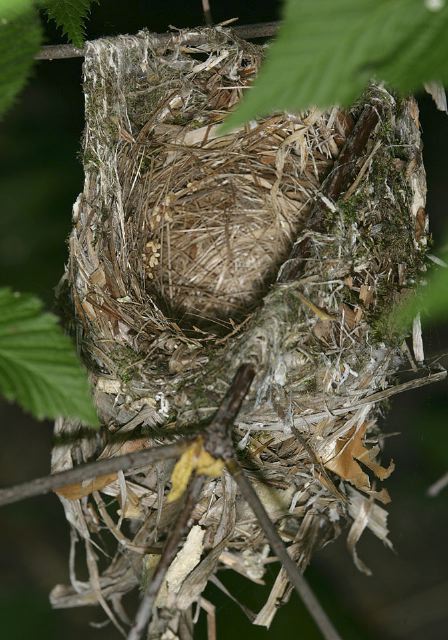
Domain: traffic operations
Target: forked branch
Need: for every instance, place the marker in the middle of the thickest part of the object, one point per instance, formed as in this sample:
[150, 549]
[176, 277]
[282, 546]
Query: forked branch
[292, 570]
[180, 528]
[218, 441]
[90, 470]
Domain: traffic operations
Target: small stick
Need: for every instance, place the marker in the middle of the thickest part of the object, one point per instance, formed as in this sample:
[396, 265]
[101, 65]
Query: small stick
[207, 13]
[218, 434]
[180, 527]
[438, 486]
[293, 572]
[246, 31]
[218, 439]
[90, 470]
[334, 185]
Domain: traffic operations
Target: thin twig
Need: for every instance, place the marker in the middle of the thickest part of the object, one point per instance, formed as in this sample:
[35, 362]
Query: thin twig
[119, 437]
[90, 470]
[180, 527]
[218, 434]
[246, 31]
[438, 486]
[207, 13]
[294, 574]
[226, 417]
[334, 185]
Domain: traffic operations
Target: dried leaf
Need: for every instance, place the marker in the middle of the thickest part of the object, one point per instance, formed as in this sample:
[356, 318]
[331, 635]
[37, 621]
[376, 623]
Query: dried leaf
[348, 451]
[320, 313]
[194, 459]
[437, 91]
[366, 515]
[80, 489]
[131, 508]
[366, 294]
[351, 316]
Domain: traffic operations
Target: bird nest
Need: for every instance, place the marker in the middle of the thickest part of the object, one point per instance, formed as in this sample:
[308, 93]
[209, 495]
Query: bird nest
[280, 244]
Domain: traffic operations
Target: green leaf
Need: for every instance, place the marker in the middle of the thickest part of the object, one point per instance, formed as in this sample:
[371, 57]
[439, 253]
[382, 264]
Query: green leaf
[430, 300]
[38, 364]
[327, 51]
[12, 8]
[70, 15]
[20, 39]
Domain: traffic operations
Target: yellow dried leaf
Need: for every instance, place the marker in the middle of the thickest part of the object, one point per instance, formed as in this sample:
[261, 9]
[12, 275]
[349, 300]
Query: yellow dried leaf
[131, 508]
[349, 450]
[131, 512]
[194, 459]
[84, 488]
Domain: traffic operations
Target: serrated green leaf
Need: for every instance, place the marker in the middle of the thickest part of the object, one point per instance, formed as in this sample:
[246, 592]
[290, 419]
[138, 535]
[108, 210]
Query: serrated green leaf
[70, 16]
[20, 39]
[38, 365]
[327, 51]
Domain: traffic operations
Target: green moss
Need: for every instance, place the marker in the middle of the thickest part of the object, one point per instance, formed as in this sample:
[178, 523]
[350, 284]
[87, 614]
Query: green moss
[126, 360]
[384, 222]
[349, 209]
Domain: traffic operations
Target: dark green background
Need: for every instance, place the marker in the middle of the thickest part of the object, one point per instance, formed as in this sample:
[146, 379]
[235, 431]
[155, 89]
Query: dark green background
[40, 177]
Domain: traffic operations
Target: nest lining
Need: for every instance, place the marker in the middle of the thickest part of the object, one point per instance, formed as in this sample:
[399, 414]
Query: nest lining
[175, 222]
[233, 207]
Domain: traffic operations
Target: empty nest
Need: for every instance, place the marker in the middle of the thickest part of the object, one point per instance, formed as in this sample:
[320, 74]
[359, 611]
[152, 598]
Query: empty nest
[181, 255]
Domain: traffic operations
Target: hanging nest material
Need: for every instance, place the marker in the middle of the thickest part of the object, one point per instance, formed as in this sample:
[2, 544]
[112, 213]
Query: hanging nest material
[193, 252]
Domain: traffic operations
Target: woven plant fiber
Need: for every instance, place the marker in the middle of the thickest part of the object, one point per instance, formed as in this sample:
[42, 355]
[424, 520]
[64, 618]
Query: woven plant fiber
[182, 252]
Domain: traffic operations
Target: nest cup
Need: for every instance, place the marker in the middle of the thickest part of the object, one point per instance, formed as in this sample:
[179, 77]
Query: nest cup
[179, 243]
[218, 213]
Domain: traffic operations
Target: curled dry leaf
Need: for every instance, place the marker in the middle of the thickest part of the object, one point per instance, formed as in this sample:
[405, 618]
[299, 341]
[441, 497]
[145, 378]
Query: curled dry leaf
[366, 515]
[86, 487]
[349, 452]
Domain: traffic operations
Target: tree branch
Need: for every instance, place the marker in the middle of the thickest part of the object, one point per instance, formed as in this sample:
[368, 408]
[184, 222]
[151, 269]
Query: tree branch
[246, 31]
[218, 441]
[181, 526]
[90, 470]
[292, 570]
[218, 434]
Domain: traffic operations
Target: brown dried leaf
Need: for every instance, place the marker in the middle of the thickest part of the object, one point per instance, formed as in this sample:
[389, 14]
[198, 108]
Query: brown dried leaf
[80, 489]
[348, 451]
[320, 313]
[366, 294]
[351, 316]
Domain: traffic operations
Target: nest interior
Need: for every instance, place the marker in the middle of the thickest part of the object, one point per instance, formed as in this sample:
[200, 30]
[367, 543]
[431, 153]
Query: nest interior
[180, 242]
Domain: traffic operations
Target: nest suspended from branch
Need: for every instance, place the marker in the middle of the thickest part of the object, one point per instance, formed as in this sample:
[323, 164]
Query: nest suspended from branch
[280, 244]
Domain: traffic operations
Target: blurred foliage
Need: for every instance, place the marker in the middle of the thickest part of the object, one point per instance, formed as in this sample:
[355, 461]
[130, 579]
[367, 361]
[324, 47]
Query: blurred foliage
[20, 39]
[327, 52]
[38, 365]
[430, 299]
